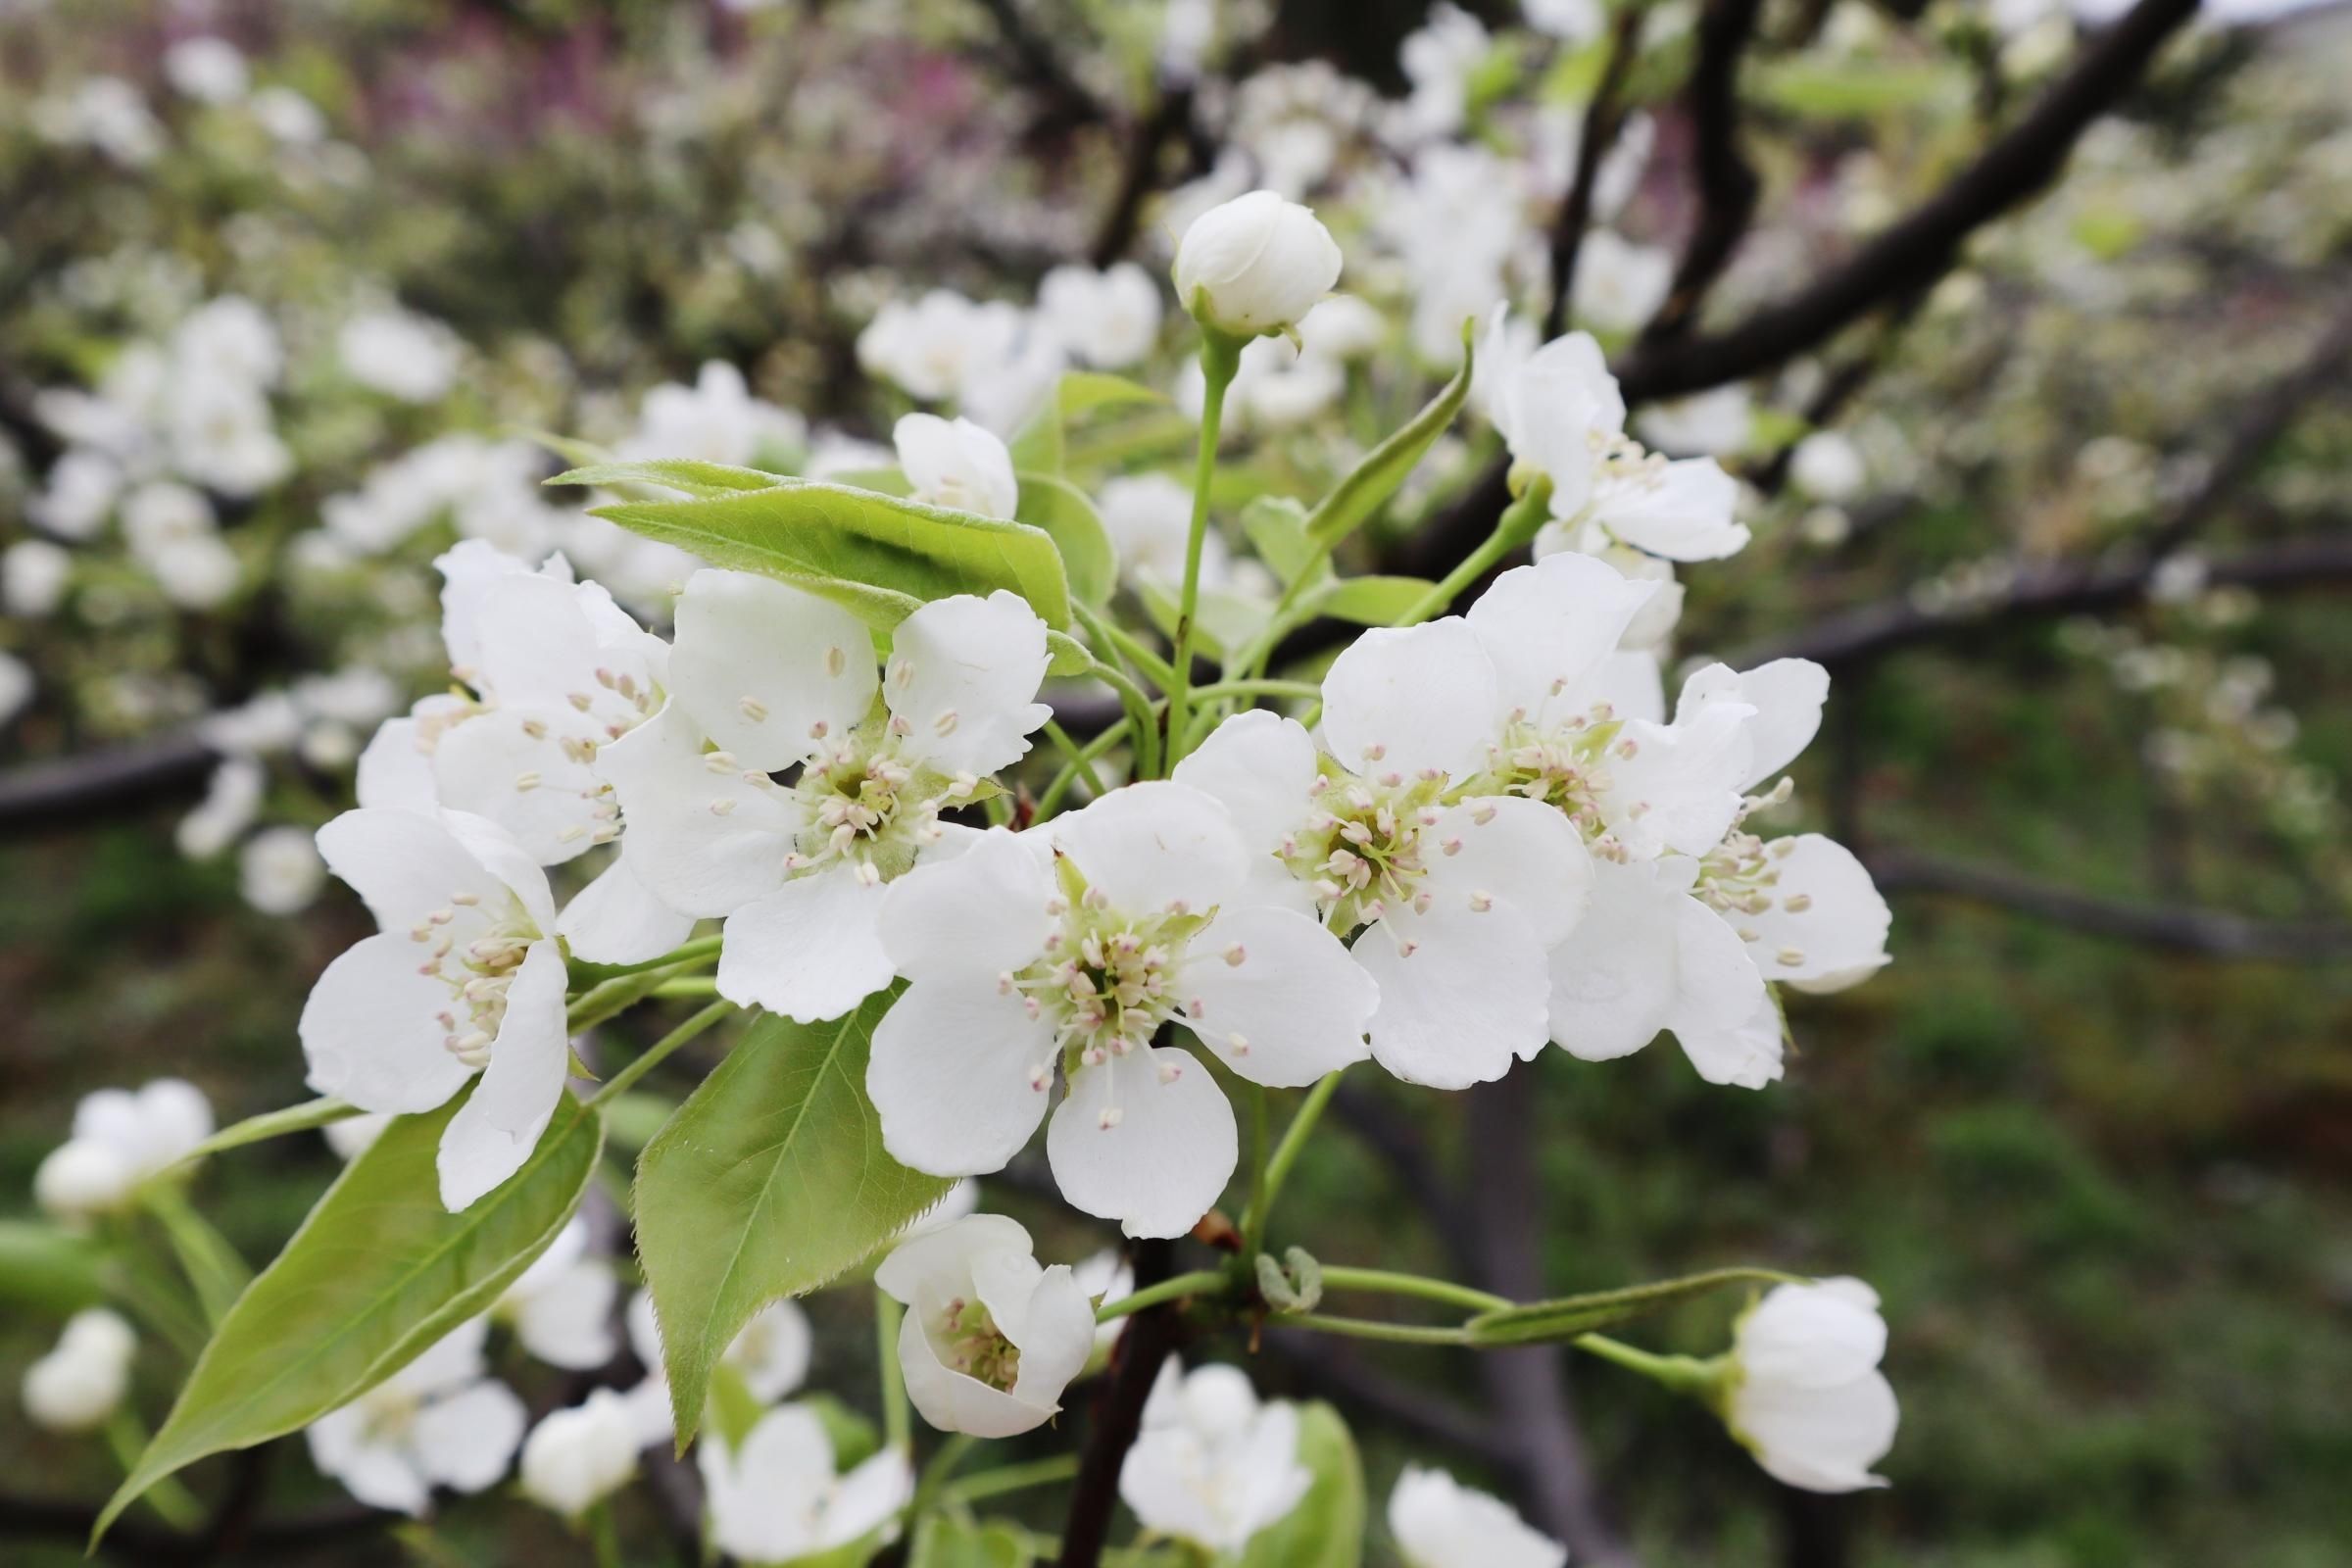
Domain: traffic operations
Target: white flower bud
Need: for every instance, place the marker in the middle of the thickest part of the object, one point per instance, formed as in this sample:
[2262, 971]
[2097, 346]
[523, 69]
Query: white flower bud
[76, 1386]
[1254, 265]
[576, 1458]
[1807, 1397]
[956, 464]
[1828, 467]
[83, 1178]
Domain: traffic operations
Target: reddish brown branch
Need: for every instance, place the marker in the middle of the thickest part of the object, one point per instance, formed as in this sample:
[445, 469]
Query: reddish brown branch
[1118, 1412]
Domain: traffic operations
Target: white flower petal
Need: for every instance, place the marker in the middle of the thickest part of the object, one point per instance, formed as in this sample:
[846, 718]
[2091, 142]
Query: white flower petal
[375, 1473]
[466, 1440]
[370, 1032]
[707, 841]
[1723, 1017]
[1057, 1335]
[1682, 511]
[1821, 1440]
[1260, 767]
[1458, 1008]
[1680, 790]
[509, 765]
[974, 914]
[1151, 846]
[1827, 925]
[402, 865]
[1787, 695]
[962, 681]
[1518, 859]
[1276, 997]
[959, 1073]
[617, 918]
[494, 1132]
[1167, 1154]
[569, 1322]
[1402, 699]
[811, 950]
[769, 672]
[954, 1402]
[1549, 627]
[1613, 981]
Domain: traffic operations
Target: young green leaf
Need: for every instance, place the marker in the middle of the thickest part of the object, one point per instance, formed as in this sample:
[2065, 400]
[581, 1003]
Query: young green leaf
[944, 1542]
[1369, 484]
[45, 1269]
[1061, 510]
[1545, 1322]
[770, 1181]
[687, 474]
[1371, 601]
[378, 1272]
[1277, 530]
[1327, 1528]
[878, 556]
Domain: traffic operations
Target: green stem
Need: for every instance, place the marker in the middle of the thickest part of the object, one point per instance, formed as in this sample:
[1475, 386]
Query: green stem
[1048, 803]
[1199, 1281]
[1125, 643]
[1364, 1328]
[1220, 356]
[1254, 1217]
[1078, 755]
[1384, 1282]
[1256, 687]
[1518, 523]
[687, 952]
[661, 1049]
[1138, 704]
[699, 984]
[172, 1502]
[1286, 1155]
[1014, 1477]
[605, 1533]
[898, 1421]
[935, 1474]
[1683, 1374]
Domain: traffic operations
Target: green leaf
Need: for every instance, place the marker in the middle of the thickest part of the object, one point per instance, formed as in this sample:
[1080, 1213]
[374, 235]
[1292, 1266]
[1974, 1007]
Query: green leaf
[1369, 484]
[1277, 530]
[1372, 601]
[1037, 447]
[1059, 509]
[45, 1269]
[1543, 1322]
[1070, 656]
[876, 555]
[1860, 89]
[1223, 622]
[941, 1541]
[1041, 444]
[695, 478]
[634, 1116]
[378, 1273]
[308, 1116]
[770, 1181]
[1327, 1528]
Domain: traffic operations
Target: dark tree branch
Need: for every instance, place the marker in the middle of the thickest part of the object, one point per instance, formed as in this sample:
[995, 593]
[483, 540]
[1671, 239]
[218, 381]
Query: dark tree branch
[38, 796]
[2267, 418]
[1728, 186]
[1068, 101]
[1170, 119]
[1914, 251]
[1602, 120]
[1118, 1412]
[1867, 632]
[2211, 933]
[1335, 1369]
[1527, 1387]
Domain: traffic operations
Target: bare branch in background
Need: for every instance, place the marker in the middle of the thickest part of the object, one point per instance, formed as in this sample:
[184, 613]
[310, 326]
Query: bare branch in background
[1170, 120]
[1333, 1368]
[2209, 932]
[1728, 186]
[1527, 1387]
[1037, 66]
[1117, 1413]
[1866, 632]
[1604, 119]
[1919, 248]
[123, 778]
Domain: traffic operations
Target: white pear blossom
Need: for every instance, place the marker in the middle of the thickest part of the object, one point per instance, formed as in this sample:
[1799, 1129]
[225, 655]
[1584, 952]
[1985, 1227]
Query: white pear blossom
[279, 871]
[1713, 423]
[1106, 1277]
[80, 495]
[780, 1496]
[1212, 1465]
[576, 1458]
[956, 464]
[1064, 950]
[934, 347]
[1439, 1523]
[1150, 518]
[210, 69]
[34, 574]
[562, 1306]
[232, 799]
[1254, 265]
[1109, 319]
[405, 356]
[1561, 414]
[716, 419]
[1828, 467]
[1619, 286]
[1401, 825]
[774, 679]
[439, 1421]
[288, 117]
[464, 977]
[990, 1338]
[82, 1379]
[1806, 1395]
[770, 1355]
[122, 1138]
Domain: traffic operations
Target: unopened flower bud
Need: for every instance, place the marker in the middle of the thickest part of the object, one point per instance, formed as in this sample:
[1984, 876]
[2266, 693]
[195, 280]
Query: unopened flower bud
[1254, 265]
